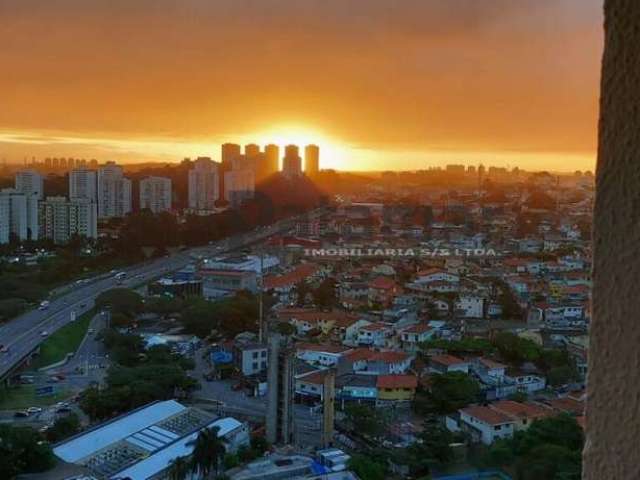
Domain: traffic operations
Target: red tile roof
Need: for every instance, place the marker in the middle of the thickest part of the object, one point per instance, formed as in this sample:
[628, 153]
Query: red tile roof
[447, 360]
[487, 415]
[521, 410]
[568, 405]
[419, 328]
[373, 356]
[397, 381]
[487, 362]
[382, 283]
[301, 272]
[372, 327]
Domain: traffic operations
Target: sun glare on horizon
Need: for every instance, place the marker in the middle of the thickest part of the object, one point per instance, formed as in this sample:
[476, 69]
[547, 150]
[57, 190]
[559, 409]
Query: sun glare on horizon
[332, 153]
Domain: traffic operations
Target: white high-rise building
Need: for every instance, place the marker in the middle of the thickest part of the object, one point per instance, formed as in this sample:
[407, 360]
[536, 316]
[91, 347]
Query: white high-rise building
[203, 184]
[155, 194]
[83, 184]
[291, 162]
[30, 182]
[18, 215]
[60, 219]
[114, 192]
[239, 185]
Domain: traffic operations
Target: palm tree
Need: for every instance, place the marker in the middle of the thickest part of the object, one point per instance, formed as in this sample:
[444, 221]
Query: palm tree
[208, 452]
[179, 469]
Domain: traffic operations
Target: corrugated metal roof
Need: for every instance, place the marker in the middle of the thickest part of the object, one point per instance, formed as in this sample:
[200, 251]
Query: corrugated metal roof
[124, 426]
[161, 460]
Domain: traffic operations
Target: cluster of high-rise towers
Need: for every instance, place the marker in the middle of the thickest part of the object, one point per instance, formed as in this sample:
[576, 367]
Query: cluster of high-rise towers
[235, 177]
[103, 191]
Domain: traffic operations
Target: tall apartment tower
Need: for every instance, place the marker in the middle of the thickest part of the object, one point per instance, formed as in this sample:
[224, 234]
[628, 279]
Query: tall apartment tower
[229, 152]
[291, 162]
[18, 215]
[114, 192]
[311, 160]
[280, 377]
[240, 182]
[30, 182]
[155, 194]
[272, 160]
[60, 219]
[203, 184]
[251, 150]
[83, 184]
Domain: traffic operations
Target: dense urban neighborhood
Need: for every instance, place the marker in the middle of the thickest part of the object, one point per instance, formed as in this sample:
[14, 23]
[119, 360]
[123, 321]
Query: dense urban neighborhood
[306, 324]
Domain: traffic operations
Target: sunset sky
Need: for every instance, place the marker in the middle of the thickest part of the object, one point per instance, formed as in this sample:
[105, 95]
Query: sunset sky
[378, 84]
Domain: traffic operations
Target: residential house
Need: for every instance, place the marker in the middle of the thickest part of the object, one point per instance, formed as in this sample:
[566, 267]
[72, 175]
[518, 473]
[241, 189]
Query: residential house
[447, 363]
[321, 354]
[522, 414]
[357, 387]
[382, 291]
[486, 424]
[525, 382]
[375, 335]
[411, 337]
[309, 386]
[469, 306]
[396, 388]
[284, 285]
[374, 362]
[436, 275]
[250, 358]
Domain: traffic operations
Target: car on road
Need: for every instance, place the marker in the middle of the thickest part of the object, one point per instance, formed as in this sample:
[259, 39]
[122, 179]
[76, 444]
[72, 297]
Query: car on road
[4, 349]
[31, 410]
[63, 410]
[21, 414]
[44, 333]
[43, 305]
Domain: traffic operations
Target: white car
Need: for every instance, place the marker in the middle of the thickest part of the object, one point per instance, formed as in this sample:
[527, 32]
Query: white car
[44, 333]
[34, 410]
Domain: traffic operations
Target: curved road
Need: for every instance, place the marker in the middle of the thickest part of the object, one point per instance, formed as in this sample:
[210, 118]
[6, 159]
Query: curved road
[22, 335]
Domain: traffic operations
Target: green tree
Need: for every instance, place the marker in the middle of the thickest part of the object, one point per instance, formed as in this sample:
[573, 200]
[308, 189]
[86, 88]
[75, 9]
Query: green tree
[551, 462]
[367, 468]
[433, 448]
[550, 448]
[179, 468]
[64, 427]
[22, 450]
[447, 393]
[121, 301]
[366, 420]
[208, 452]
[562, 375]
[516, 350]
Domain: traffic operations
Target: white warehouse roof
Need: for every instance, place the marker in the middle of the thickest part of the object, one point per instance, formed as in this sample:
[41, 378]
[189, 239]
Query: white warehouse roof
[161, 460]
[86, 444]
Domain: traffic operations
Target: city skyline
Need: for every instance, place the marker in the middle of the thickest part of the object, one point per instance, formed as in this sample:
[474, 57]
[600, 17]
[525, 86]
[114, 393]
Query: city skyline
[378, 89]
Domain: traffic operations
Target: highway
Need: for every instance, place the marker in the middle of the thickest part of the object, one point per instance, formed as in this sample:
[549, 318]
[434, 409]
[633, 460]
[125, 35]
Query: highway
[22, 335]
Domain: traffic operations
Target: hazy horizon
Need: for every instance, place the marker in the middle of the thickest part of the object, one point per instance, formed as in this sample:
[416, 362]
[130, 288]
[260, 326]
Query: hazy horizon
[378, 87]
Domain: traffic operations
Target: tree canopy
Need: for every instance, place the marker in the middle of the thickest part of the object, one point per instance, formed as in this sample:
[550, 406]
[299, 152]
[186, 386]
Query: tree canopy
[447, 393]
[22, 450]
[550, 448]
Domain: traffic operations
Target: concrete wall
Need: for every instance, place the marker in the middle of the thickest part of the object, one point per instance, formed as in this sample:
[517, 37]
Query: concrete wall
[613, 406]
